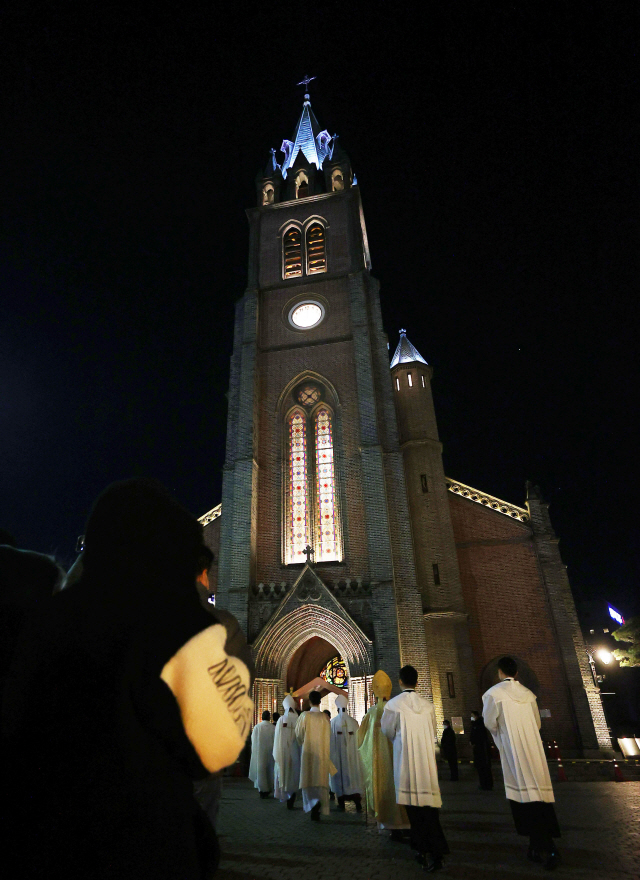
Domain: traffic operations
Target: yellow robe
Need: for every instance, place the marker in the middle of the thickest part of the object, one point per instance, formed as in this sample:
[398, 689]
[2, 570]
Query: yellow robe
[376, 752]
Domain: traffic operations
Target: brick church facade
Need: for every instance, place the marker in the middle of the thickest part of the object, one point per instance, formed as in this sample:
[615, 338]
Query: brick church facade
[338, 531]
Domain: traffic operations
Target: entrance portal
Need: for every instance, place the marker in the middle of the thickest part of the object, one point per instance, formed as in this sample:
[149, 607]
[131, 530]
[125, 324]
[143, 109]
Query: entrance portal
[308, 661]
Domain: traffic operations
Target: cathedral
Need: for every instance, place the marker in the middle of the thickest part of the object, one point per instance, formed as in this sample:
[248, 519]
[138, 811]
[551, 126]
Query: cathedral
[340, 544]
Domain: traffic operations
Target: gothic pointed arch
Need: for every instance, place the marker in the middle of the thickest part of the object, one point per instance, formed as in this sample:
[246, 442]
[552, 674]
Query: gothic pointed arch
[312, 508]
[310, 610]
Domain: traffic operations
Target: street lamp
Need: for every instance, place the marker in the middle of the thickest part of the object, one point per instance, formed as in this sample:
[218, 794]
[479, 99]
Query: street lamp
[604, 655]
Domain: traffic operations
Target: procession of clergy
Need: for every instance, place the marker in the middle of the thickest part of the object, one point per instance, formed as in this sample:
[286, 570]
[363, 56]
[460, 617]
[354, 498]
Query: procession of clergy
[391, 758]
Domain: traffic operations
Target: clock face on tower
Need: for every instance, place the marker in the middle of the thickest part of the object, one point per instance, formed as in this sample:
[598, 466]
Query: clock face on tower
[305, 315]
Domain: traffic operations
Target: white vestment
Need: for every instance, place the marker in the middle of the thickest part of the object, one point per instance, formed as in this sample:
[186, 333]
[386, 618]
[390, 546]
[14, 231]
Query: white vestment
[345, 756]
[409, 721]
[510, 713]
[313, 732]
[261, 766]
[286, 754]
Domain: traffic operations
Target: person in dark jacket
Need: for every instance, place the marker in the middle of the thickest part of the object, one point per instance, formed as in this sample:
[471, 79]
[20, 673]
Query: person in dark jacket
[101, 680]
[449, 750]
[481, 751]
[27, 581]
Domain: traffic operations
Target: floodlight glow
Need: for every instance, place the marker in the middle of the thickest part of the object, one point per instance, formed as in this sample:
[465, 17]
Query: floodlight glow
[615, 615]
[604, 655]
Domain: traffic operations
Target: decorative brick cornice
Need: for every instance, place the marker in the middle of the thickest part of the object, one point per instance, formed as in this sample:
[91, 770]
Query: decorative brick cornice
[209, 517]
[487, 500]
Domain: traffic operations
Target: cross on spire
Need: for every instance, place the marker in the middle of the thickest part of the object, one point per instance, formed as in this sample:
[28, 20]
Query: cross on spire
[308, 552]
[305, 82]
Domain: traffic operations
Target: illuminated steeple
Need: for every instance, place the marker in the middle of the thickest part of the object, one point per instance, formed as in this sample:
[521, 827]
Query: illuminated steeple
[405, 353]
[308, 140]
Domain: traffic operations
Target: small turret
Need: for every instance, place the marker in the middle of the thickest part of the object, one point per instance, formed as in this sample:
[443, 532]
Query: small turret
[411, 376]
[269, 182]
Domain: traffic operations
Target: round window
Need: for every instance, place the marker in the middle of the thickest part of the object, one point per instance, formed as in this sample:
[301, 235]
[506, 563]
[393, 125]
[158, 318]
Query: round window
[308, 395]
[306, 315]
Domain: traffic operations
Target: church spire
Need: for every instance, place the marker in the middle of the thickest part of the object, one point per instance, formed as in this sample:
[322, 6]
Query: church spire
[405, 352]
[308, 139]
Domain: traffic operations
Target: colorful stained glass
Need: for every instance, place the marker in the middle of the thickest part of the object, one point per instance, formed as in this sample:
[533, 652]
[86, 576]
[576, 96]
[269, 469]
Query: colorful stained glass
[298, 505]
[326, 537]
[335, 673]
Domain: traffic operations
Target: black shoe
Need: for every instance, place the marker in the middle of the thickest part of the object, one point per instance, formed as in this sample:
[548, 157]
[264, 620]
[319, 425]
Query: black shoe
[332, 796]
[552, 861]
[290, 804]
[396, 835]
[533, 855]
[434, 865]
[358, 807]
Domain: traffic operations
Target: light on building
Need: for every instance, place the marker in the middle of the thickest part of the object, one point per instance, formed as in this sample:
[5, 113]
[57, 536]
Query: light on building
[615, 615]
[604, 655]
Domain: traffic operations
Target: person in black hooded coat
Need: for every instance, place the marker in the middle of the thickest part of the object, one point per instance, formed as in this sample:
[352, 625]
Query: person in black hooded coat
[102, 763]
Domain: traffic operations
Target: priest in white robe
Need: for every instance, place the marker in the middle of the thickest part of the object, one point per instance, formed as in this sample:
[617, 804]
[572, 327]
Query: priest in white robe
[286, 755]
[313, 732]
[510, 713]
[348, 783]
[261, 766]
[409, 721]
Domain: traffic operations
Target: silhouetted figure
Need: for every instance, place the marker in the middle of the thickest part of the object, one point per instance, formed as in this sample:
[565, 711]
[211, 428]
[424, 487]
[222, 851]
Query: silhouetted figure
[449, 750]
[27, 582]
[101, 681]
[481, 751]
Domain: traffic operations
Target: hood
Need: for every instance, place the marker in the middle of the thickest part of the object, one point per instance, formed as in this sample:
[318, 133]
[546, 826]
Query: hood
[411, 702]
[513, 690]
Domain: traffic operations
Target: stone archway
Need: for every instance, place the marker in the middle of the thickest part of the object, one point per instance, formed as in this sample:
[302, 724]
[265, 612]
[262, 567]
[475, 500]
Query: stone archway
[526, 675]
[298, 636]
[308, 660]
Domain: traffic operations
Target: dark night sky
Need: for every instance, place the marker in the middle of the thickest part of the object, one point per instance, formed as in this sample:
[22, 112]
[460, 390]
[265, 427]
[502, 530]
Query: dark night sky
[495, 149]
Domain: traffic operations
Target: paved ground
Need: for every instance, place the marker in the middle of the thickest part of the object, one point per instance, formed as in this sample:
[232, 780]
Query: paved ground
[600, 823]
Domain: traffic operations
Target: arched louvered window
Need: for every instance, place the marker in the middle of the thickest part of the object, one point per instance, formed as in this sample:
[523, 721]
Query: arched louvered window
[292, 244]
[316, 249]
[312, 510]
[302, 185]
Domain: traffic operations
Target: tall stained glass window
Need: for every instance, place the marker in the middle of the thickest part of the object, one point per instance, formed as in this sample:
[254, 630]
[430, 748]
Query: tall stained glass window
[325, 487]
[312, 504]
[298, 488]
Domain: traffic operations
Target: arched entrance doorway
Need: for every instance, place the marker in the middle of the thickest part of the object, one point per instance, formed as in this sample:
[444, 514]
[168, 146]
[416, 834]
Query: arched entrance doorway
[292, 650]
[308, 661]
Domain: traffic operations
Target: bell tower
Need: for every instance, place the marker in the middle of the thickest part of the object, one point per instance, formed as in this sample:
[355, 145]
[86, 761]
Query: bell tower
[313, 457]
[437, 569]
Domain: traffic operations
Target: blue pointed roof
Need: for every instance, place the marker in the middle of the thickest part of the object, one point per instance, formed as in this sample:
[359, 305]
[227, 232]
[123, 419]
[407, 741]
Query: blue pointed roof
[308, 140]
[406, 353]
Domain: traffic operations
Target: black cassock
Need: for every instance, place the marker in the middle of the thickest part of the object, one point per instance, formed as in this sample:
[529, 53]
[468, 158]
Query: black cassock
[482, 753]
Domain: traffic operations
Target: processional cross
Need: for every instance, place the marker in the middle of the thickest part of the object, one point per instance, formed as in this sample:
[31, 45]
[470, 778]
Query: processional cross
[308, 552]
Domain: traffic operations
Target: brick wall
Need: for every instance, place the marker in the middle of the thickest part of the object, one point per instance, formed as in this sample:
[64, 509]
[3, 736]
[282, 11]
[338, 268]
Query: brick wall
[508, 607]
